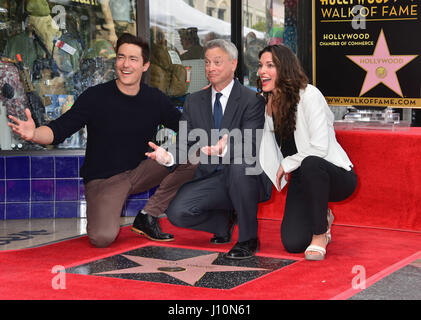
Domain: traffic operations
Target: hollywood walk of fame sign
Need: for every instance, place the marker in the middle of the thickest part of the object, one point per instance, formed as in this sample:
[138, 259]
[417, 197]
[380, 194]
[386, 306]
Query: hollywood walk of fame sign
[181, 266]
[367, 53]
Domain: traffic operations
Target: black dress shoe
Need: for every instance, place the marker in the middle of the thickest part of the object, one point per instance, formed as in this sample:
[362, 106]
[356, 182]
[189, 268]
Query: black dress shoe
[221, 239]
[218, 239]
[243, 250]
[148, 226]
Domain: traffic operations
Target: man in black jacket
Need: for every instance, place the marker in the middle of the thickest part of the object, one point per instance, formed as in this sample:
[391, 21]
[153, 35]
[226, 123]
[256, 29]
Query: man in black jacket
[121, 117]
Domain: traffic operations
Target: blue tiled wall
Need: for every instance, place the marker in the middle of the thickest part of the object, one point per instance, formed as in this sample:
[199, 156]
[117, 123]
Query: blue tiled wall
[48, 187]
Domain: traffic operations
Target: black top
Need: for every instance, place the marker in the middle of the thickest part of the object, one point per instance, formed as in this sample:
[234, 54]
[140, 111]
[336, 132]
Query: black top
[119, 126]
[288, 146]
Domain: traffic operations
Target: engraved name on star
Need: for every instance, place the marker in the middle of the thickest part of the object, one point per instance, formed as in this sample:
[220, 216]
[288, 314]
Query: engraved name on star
[188, 270]
[381, 66]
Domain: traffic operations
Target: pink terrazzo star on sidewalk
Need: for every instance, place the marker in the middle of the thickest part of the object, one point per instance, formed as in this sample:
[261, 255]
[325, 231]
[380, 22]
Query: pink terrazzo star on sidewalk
[189, 270]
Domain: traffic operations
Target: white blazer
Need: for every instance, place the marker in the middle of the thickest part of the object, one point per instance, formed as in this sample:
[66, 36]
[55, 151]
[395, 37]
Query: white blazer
[270, 156]
[314, 136]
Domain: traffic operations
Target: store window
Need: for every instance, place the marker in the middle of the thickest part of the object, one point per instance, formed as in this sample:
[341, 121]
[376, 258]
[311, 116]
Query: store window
[51, 51]
[178, 30]
[271, 22]
[211, 8]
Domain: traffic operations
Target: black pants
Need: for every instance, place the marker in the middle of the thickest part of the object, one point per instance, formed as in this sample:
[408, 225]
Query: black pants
[315, 183]
[206, 203]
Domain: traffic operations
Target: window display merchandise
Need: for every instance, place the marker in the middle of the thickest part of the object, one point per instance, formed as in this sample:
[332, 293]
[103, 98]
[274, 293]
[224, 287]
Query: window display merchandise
[51, 51]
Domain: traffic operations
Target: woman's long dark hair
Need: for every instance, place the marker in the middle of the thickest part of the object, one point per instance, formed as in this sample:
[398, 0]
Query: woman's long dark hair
[290, 79]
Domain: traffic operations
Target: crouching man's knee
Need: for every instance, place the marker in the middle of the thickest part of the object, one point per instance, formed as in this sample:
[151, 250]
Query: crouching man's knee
[179, 216]
[102, 240]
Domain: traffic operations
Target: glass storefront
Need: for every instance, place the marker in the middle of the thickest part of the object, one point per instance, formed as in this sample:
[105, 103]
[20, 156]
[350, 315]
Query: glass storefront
[178, 31]
[53, 50]
[270, 22]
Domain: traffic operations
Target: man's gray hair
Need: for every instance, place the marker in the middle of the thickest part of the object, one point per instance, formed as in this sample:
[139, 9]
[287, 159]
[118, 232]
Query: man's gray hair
[225, 45]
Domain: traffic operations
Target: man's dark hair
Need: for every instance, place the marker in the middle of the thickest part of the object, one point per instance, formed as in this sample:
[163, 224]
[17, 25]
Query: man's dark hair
[129, 38]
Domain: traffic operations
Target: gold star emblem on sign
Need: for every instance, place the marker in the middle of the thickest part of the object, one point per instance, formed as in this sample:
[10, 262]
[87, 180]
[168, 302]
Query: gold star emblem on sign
[381, 66]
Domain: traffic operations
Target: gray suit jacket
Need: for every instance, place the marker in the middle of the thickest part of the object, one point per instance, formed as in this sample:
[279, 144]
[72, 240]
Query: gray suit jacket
[244, 111]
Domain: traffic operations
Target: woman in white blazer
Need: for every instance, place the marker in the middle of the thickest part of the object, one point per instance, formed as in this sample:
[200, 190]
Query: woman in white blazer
[299, 145]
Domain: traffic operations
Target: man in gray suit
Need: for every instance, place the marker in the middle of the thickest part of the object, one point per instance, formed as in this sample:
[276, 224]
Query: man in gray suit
[221, 185]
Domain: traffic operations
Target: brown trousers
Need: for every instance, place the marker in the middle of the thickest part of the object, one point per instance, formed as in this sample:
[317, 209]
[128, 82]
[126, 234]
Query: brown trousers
[105, 197]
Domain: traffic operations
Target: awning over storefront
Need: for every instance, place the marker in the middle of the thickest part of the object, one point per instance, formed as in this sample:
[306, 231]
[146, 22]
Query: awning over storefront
[171, 15]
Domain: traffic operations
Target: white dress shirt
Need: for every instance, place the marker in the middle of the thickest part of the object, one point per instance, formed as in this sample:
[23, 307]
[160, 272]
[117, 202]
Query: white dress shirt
[225, 95]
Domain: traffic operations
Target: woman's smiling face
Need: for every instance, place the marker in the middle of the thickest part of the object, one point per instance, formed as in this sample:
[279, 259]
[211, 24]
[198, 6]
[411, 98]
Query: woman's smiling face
[267, 72]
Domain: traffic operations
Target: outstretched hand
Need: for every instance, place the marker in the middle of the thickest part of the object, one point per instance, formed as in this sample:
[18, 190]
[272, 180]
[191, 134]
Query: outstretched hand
[217, 149]
[25, 129]
[159, 154]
